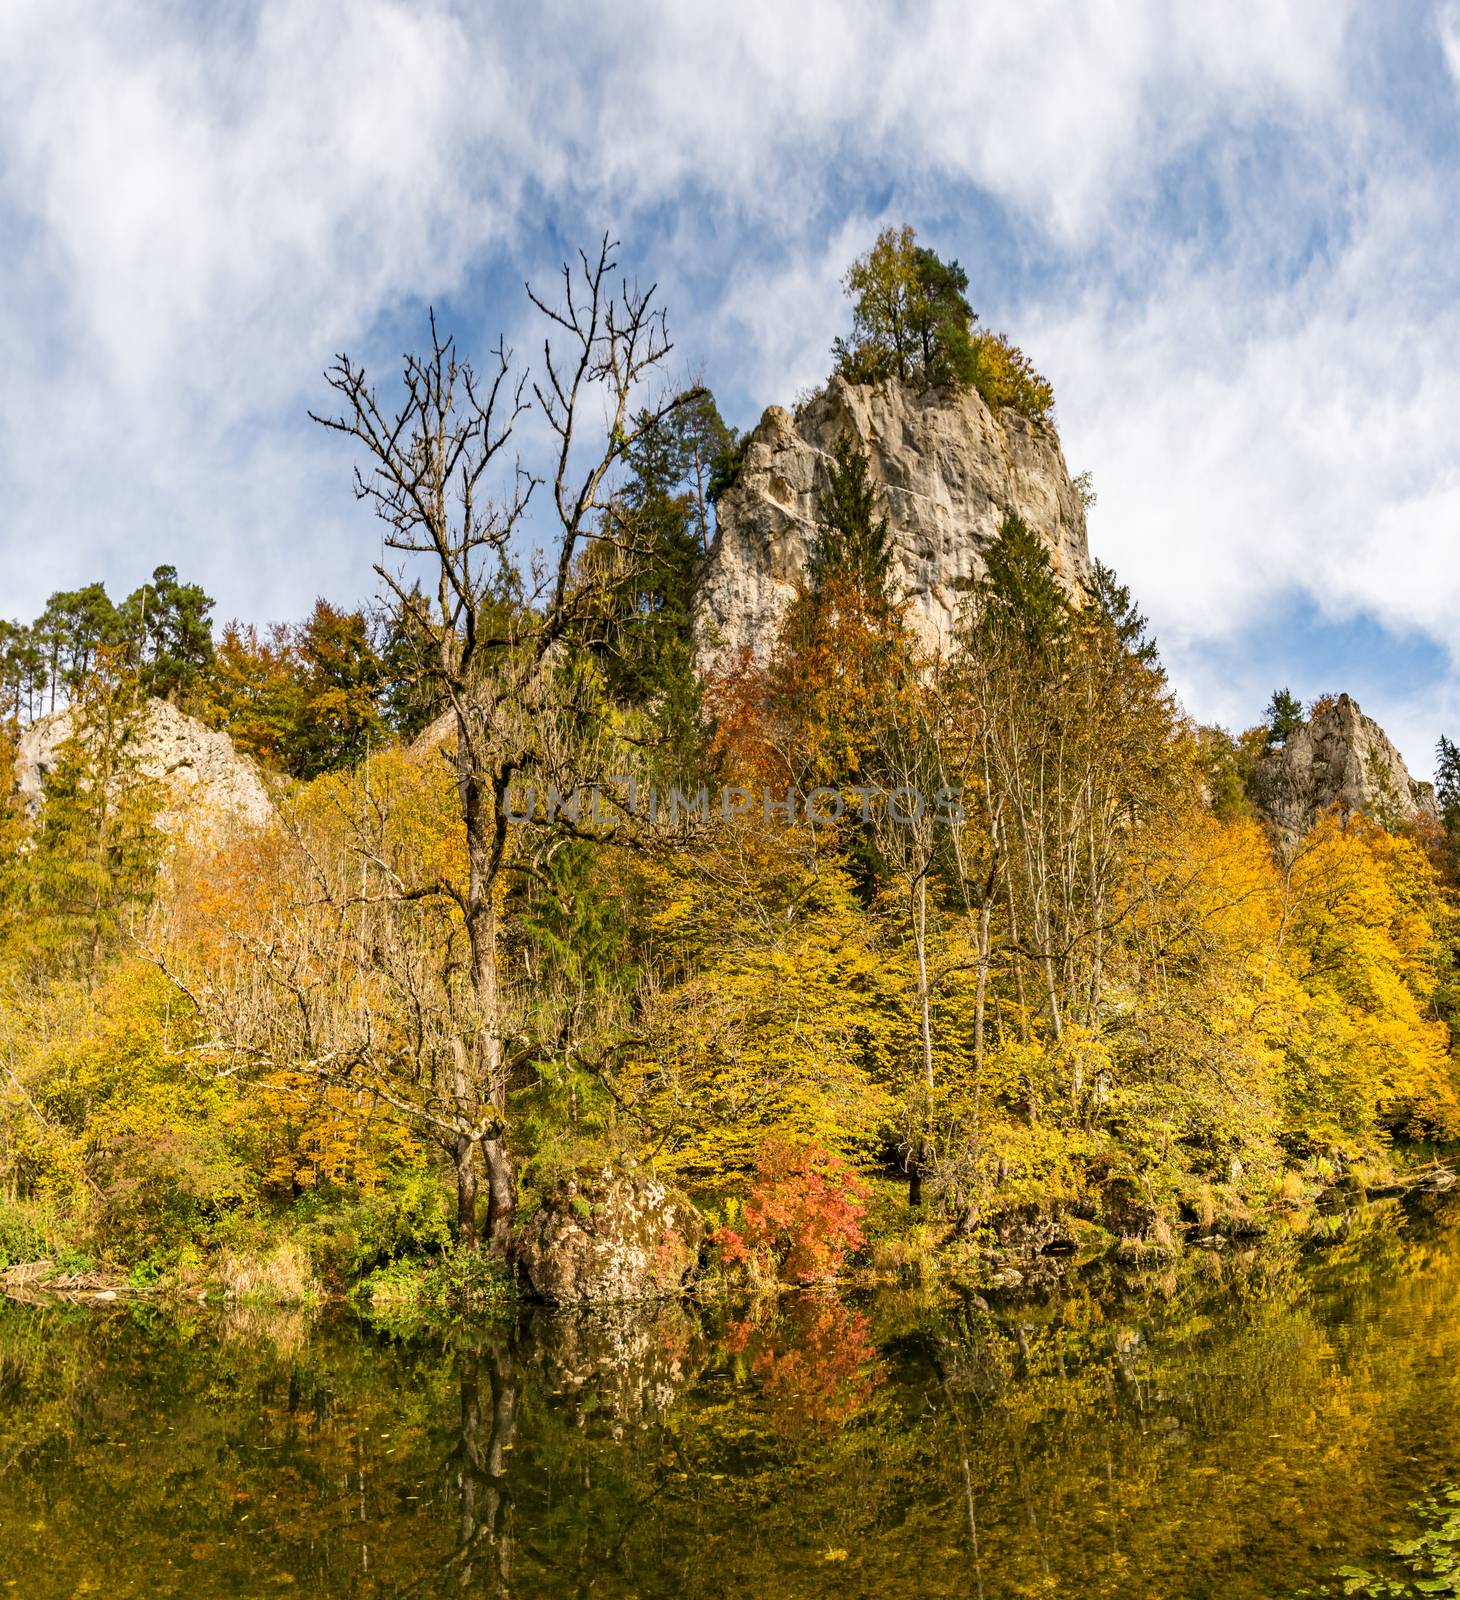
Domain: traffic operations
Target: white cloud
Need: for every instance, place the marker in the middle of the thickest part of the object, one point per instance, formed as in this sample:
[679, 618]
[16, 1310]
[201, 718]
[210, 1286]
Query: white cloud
[1447, 28]
[197, 212]
[1254, 439]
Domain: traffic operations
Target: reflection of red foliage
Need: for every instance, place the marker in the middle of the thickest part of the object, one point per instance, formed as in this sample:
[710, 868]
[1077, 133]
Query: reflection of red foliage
[817, 1365]
[737, 1336]
[805, 1211]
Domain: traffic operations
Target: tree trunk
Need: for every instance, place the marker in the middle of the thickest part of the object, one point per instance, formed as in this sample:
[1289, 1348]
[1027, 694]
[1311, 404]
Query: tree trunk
[925, 1011]
[467, 1180]
[481, 1075]
[501, 1196]
[1018, 961]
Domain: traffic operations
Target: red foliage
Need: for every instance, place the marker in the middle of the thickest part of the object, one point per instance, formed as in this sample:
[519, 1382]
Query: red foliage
[804, 1212]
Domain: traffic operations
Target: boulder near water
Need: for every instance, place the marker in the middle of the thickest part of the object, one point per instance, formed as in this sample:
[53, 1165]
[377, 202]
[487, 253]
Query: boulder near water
[621, 1235]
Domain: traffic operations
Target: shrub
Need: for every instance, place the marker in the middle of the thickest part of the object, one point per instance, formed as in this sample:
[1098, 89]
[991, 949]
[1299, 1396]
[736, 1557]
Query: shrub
[27, 1232]
[403, 1293]
[803, 1216]
[407, 1215]
[912, 1256]
[1005, 376]
[281, 1277]
[160, 1190]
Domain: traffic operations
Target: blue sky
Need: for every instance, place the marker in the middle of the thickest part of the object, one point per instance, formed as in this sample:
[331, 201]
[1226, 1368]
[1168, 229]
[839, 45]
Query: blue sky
[1228, 234]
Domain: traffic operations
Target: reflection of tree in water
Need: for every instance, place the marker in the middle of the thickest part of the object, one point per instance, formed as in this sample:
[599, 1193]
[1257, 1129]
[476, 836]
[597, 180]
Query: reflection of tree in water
[813, 1358]
[474, 1488]
[489, 1391]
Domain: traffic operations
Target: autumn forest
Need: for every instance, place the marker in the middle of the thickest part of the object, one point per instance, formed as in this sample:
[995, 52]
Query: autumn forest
[396, 1033]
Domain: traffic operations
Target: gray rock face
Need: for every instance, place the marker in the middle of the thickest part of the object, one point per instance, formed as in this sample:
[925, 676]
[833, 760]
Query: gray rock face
[623, 1236]
[207, 787]
[1340, 758]
[948, 468]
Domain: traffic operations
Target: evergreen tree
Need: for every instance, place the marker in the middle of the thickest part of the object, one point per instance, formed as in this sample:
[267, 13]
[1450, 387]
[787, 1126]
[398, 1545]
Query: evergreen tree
[1447, 791]
[1113, 603]
[1019, 594]
[168, 636]
[407, 700]
[1284, 716]
[339, 676]
[853, 541]
[312, 698]
[656, 538]
[23, 676]
[911, 321]
[676, 459]
[71, 632]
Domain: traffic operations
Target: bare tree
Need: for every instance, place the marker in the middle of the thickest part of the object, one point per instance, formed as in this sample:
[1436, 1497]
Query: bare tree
[429, 474]
[442, 472]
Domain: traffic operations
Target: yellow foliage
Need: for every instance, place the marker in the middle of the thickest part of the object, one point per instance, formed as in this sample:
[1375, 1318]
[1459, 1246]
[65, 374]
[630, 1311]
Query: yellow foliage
[310, 1135]
[1005, 376]
[800, 1033]
[107, 1113]
[1362, 945]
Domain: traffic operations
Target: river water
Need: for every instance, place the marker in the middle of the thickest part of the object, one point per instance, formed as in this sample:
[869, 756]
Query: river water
[1242, 1424]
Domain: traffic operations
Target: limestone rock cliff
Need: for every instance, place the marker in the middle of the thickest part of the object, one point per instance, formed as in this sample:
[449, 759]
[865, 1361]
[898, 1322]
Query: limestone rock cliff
[1339, 758]
[207, 787]
[948, 468]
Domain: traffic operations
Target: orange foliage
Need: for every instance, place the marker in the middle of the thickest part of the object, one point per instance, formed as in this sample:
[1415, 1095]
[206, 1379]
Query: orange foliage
[817, 1365]
[804, 1212]
[804, 718]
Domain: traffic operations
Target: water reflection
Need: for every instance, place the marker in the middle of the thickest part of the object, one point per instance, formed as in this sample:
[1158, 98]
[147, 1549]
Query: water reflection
[482, 1561]
[813, 1359]
[1238, 1424]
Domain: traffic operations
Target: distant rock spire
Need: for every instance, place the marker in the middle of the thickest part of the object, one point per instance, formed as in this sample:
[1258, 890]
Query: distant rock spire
[1339, 758]
[948, 469]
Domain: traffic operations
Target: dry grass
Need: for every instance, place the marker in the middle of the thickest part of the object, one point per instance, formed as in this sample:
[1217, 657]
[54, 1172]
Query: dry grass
[910, 1257]
[280, 1278]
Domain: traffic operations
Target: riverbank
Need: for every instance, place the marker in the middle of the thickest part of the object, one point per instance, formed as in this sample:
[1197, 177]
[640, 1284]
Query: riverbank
[1029, 1247]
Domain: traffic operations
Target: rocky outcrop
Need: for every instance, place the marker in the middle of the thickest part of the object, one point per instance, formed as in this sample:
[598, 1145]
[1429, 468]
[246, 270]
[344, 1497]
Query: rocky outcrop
[207, 788]
[621, 1236]
[949, 469]
[1032, 1229]
[1343, 759]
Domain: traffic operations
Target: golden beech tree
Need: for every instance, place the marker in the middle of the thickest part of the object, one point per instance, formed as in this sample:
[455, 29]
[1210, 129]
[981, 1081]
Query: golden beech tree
[792, 1028]
[1360, 940]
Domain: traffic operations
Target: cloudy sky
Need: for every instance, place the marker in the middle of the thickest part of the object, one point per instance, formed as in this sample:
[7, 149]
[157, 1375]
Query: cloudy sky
[1228, 234]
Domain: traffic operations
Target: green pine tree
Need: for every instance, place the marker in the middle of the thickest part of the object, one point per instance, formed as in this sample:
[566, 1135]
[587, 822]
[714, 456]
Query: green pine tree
[853, 539]
[1284, 716]
[1019, 593]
